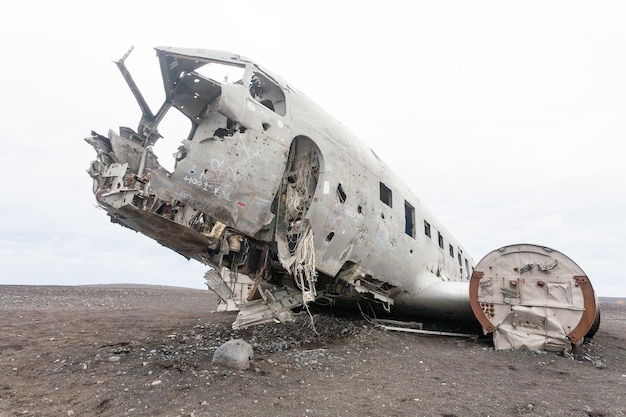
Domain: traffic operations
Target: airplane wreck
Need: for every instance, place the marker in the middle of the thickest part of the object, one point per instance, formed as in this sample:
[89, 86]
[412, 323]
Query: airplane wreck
[287, 208]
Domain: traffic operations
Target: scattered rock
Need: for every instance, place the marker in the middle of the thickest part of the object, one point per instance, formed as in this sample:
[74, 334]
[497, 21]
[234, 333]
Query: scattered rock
[235, 353]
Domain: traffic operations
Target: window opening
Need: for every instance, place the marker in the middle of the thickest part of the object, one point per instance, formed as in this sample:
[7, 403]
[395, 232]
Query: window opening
[385, 194]
[451, 251]
[167, 148]
[426, 228]
[440, 240]
[459, 256]
[268, 93]
[222, 73]
[409, 219]
[341, 195]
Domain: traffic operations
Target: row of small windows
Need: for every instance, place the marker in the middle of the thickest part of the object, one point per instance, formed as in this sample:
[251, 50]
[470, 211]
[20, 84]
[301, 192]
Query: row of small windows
[440, 241]
[409, 223]
[450, 248]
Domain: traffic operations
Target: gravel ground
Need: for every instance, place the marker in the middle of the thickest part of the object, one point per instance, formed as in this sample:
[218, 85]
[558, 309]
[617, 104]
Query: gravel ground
[146, 351]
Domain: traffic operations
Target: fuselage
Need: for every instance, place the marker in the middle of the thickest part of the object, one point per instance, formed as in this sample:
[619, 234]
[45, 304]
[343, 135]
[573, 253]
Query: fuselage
[270, 186]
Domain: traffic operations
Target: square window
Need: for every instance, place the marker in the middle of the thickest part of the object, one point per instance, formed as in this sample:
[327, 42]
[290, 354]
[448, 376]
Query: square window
[385, 194]
[409, 219]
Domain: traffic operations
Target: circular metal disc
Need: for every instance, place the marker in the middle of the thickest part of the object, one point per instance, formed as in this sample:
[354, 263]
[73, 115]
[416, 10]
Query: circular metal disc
[532, 296]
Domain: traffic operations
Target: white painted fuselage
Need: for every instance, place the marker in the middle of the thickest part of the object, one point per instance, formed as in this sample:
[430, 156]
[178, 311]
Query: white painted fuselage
[274, 193]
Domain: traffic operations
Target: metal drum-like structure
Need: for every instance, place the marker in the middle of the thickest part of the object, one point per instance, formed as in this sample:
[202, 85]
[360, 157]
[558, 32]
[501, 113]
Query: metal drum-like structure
[532, 297]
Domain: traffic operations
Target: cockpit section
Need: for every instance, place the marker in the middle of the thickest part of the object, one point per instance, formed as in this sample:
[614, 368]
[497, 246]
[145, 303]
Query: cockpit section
[193, 80]
[236, 110]
[218, 204]
[192, 84]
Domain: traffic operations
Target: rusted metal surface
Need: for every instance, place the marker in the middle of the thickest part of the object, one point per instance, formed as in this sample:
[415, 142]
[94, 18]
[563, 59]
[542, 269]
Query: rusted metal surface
[480, 309]
[591, 312]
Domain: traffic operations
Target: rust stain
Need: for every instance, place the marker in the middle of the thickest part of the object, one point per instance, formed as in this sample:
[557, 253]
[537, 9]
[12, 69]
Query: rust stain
[577, 335]
[476, 307]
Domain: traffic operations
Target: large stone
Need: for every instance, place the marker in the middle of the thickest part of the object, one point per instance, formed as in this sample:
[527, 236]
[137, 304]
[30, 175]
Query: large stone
[235, 353]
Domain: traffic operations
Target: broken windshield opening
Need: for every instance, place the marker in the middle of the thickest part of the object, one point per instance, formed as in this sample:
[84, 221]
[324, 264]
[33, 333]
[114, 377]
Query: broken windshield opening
[222, 73]
[194, 89]
[166, 149]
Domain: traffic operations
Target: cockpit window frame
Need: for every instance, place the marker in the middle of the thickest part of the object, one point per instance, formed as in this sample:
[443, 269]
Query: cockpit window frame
[268, 93]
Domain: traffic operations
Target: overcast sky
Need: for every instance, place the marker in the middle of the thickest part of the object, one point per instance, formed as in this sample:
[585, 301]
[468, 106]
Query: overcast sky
[505, 118]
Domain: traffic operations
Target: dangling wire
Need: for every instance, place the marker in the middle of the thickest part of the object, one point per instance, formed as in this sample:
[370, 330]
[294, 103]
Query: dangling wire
[301, 264]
